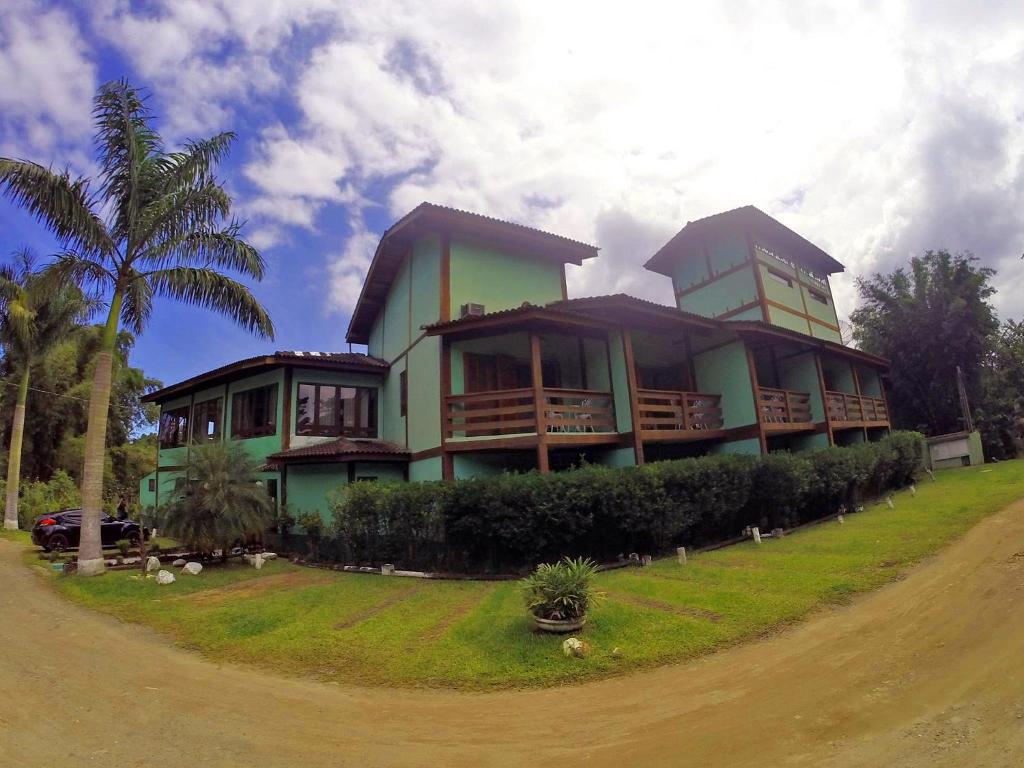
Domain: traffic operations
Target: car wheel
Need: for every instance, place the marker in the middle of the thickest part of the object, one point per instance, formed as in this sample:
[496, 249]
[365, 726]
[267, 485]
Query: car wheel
[58, 542]
[133, 538]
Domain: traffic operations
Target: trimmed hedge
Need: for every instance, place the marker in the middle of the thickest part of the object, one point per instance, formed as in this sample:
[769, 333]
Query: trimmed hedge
[511, 522]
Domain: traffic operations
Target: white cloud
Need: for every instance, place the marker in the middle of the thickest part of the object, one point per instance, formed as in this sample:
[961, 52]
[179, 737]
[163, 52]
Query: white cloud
[347, 270]
[48, 81]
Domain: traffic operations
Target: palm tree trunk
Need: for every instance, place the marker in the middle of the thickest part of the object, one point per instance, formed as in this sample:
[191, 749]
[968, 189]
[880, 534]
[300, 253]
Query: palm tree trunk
[90, 551]
[14, 458]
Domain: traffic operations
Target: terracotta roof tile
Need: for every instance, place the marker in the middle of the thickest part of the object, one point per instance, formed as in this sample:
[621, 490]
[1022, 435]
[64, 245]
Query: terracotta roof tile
[340, 448]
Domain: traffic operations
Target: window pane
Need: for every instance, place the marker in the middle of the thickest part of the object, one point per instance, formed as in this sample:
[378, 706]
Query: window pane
[327, 406]
[346, 396]
[304, 409]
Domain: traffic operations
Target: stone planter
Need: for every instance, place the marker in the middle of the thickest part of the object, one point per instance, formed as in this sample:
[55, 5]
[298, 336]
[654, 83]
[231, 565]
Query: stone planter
[559, 626]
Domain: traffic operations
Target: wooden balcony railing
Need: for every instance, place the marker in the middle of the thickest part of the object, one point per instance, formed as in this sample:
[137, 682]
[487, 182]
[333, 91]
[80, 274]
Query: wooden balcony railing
[667, 411]
[842, 407]
[781, 408]
[513, 411]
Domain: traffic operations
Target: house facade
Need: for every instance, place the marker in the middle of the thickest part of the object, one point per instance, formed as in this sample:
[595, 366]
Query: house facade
[478, 362]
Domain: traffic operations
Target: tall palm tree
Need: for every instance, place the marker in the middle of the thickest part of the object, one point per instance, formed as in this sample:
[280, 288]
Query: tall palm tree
[157, 225]
[36, 313]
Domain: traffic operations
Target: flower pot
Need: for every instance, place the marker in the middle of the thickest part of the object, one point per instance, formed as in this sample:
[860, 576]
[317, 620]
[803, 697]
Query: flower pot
[559, 626]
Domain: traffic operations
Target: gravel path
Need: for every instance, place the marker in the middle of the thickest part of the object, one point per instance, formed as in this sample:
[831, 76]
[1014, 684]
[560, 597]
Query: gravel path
[928, 671]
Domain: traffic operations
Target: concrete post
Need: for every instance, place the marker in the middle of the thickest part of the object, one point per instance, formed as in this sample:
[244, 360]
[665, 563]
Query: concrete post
[756, 534]
[681, 555]
[387, 569]
[840, 519]
[888, 500]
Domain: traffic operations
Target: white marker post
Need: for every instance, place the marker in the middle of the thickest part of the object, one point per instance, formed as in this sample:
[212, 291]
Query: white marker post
[681, 555]
[756, 534]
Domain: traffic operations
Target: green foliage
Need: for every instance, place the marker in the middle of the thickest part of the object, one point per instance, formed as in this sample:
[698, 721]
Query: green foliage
[123, 545]
[219, 500]
[1000, 413]
[927, 321]
[40, 498]
[510, 521]
[563, 590]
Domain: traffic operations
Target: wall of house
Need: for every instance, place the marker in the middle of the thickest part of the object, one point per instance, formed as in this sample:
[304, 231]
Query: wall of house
[870, 383]
[723, 295]
[311, 486]
[800, 374]
[747, 447]
[838, 374]
[340, 378]
[468, 465]
[425, 469]
[724, 370]
[413, 300]
[424, 412]
[259, 447]
[797, 297]
[500, 279]
[620, 382]
[147, 498]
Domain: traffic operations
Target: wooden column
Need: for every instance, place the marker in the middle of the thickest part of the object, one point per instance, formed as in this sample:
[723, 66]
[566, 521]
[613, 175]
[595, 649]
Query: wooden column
[447, 462]
[286, 427]
[756, 390]
[446, 278]
[856, 388]
[634, 398]
[824, 399]
[885, 400]
[762, 297]
[539, 405]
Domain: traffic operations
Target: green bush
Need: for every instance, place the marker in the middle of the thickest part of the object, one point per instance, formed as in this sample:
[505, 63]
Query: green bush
[561, 591]
[511, 522]
[39, 498]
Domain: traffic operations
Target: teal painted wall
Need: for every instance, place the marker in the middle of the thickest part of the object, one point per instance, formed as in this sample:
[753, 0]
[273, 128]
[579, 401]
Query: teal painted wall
[467, 465]
[751, 447]
[809, 442]
[397, 317]
[838, 374]
[784, 319]
[620, 382]
[800, 374]
[392, 423]
[617, 457]
[690, 269]
[382, 470]
[870, 384]
[723, 295]
[821, 332]
[500, 279]
[727, 250]
[849, 437]
[776, 291]
[426, 283]
[147, 498]
[596, 356]
[310, 487]
[725, 371]
[424, 362]
[425, 469]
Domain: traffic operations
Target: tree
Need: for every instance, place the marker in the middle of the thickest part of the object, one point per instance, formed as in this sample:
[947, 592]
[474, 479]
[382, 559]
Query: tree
[156, 226]
[927, 321]
[36, 313]
[1000, 415]
[219, 500]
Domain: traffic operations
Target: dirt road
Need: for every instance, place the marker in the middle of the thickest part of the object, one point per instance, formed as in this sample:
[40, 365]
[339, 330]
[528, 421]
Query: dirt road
[926, 672]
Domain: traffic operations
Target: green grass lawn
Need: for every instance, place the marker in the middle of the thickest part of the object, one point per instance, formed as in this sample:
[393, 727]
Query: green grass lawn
[395, 631]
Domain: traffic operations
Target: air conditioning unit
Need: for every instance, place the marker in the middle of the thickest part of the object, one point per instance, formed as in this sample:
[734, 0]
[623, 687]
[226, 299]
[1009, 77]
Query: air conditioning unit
[471, 310]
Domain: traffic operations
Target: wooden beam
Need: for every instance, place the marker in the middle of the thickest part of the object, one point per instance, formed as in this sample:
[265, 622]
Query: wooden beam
[286, 427]
[758, 278]
[756, 389]
[824, 399]
[539, 404]
[634, 400]
[565, 288]
[447, 465]
[856, 388]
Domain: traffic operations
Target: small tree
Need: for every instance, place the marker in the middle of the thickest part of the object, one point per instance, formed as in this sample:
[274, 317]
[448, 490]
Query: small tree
[219, 501]
[313, 524]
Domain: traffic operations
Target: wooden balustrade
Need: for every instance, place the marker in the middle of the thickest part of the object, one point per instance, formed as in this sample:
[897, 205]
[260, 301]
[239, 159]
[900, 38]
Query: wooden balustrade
[513, 411]
[843, 407]
[668, 413]
[782, 409]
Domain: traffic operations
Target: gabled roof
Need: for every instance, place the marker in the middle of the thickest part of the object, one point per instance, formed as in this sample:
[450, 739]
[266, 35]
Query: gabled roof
[758, 328]
[428, 218]
[622, 307]
[342, 449]
[507, 320]
[749, 219]
[335, 361]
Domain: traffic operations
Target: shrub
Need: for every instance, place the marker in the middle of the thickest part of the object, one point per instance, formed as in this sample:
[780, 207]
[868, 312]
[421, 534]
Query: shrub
[510, 522]
[561, 591]
[39, 498]
[313, 524]
[123, 545]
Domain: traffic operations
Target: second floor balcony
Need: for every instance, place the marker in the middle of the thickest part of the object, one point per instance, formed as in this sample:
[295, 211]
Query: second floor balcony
[783, 410]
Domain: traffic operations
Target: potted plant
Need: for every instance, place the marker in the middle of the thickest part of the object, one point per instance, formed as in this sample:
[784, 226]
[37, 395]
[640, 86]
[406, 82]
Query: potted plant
[559, 594]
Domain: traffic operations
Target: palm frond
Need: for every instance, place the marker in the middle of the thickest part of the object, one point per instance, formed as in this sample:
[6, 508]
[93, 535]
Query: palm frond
[210, 289]
[178, 213]
[221, 248]
[137, 304]
[61, 203]
[195, 165]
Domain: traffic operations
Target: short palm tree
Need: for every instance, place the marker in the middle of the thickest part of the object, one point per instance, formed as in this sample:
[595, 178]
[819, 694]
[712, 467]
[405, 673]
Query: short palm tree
[156, 226]
[36, 312]
[219, 501]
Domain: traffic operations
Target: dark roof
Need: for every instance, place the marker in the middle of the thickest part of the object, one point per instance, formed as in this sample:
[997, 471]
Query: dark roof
[337, 361]
[622, 306]
[760, 328]
[757, 223]
[342, 449]
[428, 218]
[531, 314]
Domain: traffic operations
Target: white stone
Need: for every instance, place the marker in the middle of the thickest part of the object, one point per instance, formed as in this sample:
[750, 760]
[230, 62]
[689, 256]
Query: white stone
[681, 555]
[756, 534]
[388, 569]
[888, 500]
[192, 569]
[573, 646]
[270, 555]
[164, 577]
[179, 562]
[257, 561]
[913, 490]
[152, 564]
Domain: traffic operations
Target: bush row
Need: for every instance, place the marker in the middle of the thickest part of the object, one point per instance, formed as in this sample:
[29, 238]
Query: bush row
[39, 498]
[512, 522]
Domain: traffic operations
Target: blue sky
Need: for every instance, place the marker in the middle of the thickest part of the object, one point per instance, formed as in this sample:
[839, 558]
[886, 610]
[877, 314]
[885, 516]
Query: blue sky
[876, 130]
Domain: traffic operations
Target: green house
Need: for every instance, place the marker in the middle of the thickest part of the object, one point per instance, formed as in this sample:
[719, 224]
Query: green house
[478, 362]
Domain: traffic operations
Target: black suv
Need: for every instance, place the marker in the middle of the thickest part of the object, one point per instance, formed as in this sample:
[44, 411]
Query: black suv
[61, 530]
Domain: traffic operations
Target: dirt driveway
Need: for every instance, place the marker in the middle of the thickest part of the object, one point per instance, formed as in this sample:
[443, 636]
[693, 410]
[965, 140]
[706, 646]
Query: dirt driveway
[926, 672]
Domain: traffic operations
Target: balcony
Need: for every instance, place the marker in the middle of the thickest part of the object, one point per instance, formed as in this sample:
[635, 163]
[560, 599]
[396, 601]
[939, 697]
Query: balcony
[570, 416]
[679, 416]
[784, 411]
[846, 410]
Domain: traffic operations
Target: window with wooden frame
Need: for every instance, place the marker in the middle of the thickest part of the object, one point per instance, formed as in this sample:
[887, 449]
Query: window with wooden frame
[334, 411]
[403, 393]
[254, 412]
[778, 277]
[206, 421]
[818, 296]
[152, 485]
[174, 427]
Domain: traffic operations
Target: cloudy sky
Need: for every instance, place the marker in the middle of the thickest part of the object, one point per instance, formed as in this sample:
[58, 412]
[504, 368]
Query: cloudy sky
[875, 129]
